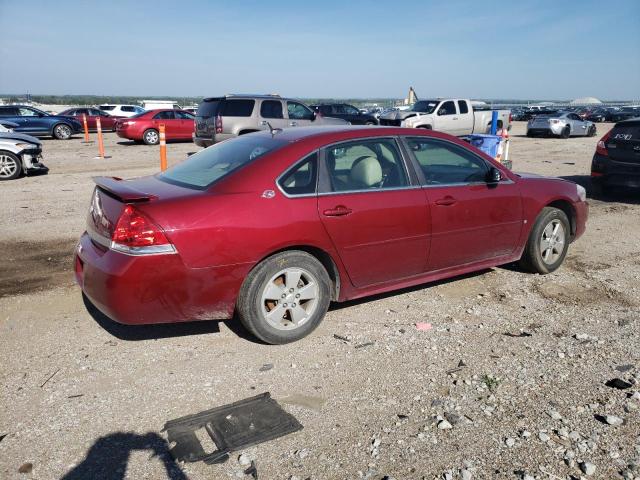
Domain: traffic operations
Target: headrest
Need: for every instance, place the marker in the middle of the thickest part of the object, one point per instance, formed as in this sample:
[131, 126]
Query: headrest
[366, 171]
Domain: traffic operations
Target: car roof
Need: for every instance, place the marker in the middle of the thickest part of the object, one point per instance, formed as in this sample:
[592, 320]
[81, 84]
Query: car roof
[355, 131]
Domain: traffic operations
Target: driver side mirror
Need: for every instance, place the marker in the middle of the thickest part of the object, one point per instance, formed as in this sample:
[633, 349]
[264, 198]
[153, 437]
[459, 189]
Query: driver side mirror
[494, 175]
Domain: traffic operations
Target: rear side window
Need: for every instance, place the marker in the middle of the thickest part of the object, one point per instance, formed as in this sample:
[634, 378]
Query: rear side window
[238, 108]
[271, 109]
[126, 108]
[107, 108]
[168, 115]
[462, 106]
[202, 169]
[301, 179]
[8, 111]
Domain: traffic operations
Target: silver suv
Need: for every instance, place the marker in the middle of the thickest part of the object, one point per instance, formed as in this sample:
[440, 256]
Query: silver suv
[220, 118]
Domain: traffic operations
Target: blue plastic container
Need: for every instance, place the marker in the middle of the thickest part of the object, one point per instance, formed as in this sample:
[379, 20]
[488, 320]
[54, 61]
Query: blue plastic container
[487, 143]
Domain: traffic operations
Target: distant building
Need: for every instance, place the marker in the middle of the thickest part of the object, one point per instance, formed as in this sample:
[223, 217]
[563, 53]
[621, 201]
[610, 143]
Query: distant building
[585, 101]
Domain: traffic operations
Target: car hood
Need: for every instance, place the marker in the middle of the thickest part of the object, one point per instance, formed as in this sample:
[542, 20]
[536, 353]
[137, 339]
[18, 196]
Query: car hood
[19, 137]
[400, 115]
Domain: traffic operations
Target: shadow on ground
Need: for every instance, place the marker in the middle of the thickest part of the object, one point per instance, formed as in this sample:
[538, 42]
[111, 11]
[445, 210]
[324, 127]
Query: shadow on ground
[108, 457]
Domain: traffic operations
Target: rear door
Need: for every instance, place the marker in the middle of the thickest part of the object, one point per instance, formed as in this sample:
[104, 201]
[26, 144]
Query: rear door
[272, 113]
[377, 220]
[471, 220]
[299, 114]
[623, 144]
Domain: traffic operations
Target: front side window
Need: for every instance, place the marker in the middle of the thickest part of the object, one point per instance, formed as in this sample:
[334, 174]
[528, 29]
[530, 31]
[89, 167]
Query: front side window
[271, 109]
[97, 113]
[202, 169]
[349, 110]
[298, 111]
[238, 108]
[365, 165]
[447, 108]
[167, 115]
[28, 112]
[127, 108]
[301, 179]
[107, 108]
[444, 163]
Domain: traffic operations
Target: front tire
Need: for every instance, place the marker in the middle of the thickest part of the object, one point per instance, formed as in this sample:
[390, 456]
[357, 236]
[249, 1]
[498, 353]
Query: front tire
[10, 166]
[592, 131]
[285, 297]
[151, 137]
[548, 242]
[62, 131]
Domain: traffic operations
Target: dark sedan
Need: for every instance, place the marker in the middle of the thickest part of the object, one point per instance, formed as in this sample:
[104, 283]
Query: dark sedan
[38, 123]
[107, 121]
[276, 225]
[346, 112]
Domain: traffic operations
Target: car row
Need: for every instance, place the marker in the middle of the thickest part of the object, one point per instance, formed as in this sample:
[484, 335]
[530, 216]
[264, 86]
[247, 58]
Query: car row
[145, 127]
[275, 225]
[35, 122]
[20, 154]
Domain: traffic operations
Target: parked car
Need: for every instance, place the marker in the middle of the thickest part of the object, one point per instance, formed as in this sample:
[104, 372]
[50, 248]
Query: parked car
[560, 124]
[518, 115]
[598, 115]
[346, 112]
[276, 225]
[453, 116]
[616, 162]
[625, 113]
[145, 126]
[107, 121]
[118, 110]
[35, 122]
[20, 154]
[220, 118]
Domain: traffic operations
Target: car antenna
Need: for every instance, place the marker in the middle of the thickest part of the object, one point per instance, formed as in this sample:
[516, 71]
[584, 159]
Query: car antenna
[273, 130]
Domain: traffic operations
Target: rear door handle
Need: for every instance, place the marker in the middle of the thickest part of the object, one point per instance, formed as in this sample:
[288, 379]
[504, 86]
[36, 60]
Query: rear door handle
[446, 201]
[339, 211]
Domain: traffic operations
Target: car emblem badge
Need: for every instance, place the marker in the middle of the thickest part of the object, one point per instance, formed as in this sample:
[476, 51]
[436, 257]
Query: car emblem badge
[268, 194]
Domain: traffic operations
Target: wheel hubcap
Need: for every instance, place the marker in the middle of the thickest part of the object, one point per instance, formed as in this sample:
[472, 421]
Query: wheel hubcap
[152, 137]
[289, 299]
[63, 131]
[8, 166]
[552, 242]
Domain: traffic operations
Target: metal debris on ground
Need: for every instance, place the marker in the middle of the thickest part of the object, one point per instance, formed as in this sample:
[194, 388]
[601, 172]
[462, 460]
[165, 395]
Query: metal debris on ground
[306, 401]
[252, 470]
[521, 334]
[231, 427]
[363, 345]
[618, 383]
[266, 367]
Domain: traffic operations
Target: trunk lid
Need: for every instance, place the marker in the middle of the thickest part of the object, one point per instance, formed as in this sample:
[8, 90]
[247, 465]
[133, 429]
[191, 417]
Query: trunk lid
[205, 122]
[623, 144]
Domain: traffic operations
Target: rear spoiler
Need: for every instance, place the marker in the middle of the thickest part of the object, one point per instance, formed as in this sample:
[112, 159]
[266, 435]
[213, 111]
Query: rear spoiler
[118, 188]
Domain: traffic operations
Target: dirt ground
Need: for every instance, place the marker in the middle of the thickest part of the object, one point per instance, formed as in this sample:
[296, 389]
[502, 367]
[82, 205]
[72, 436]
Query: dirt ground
[509, 382]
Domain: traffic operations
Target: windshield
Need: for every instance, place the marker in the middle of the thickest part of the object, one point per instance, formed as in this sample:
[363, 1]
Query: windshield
[211, 164]
[425, 106]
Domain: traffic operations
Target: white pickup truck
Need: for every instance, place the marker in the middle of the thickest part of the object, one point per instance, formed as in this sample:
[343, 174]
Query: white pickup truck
[453, 116]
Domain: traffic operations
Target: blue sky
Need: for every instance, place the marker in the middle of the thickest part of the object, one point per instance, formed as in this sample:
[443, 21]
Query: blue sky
[493, 49]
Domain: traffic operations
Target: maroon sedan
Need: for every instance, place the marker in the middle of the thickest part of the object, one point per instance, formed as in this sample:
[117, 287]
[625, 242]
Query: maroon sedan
[107, 121]
[276, 225]
[145, 126]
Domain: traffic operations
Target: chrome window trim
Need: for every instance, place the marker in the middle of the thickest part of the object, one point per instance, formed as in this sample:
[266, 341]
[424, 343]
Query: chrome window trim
[293, 167]
[378, 190]
[131, 251]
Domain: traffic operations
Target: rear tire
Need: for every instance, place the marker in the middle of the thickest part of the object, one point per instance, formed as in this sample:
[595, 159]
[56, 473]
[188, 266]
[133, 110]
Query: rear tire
[10, 166]
[62, 131]
[548, 242]
[566, 132]
[285, 297]
[592, 131]
[151, 137]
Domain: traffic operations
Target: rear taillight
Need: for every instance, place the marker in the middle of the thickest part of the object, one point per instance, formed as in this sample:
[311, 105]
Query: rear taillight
[554, 121]
[601, 147]
[218, 124]
[137, 234]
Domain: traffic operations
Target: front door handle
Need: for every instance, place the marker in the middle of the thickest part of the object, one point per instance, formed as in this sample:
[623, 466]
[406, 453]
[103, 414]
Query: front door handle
[446, 201]
[293, 124]
[339, 211]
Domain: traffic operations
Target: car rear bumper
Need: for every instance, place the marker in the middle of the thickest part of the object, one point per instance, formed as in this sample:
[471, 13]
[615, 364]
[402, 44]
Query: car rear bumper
[606, 171]
[150, 289]
[544, 131]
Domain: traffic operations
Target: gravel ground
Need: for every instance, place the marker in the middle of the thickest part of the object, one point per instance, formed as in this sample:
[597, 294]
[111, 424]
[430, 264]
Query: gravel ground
[508, 383]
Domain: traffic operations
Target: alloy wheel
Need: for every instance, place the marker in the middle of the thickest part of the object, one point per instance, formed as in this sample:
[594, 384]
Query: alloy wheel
[552, 242]
[8, 166]
[63, 132]
[289, 298]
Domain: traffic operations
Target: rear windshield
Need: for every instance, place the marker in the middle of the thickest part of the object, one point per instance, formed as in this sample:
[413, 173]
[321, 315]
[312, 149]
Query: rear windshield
[211, 164]
[208, 108]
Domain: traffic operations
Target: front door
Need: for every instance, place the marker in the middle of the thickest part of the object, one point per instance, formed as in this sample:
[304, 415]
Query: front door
[299, 114]
[472, 220]
[447, 118]
[377, 221]
[171, 125]
[186, 123]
